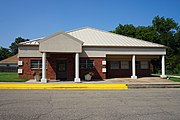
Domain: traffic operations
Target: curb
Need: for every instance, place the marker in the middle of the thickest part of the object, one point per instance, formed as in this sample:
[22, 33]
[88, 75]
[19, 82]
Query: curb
[136, 86]
[66, 86]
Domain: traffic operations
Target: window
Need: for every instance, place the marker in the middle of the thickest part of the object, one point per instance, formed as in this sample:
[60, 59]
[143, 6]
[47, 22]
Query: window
[114, 65]
[36, 64]
[86, 64]
[144, 65]
[124, 65]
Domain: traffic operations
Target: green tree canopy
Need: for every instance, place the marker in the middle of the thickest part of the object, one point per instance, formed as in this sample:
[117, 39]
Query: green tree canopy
[127, 30]
[163, 31]
[4, 53]
[12, 50]
[14, 47]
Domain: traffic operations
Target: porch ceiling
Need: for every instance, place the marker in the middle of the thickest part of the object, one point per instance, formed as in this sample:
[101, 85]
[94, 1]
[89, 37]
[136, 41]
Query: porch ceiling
[129, 57]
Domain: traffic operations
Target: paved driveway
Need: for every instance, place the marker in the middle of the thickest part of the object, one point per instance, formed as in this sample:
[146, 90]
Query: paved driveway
[134, 104]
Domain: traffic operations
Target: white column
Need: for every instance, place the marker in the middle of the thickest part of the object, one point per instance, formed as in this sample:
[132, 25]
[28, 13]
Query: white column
[134, 67]
[43, 79]
[163, 67]
[77, 79]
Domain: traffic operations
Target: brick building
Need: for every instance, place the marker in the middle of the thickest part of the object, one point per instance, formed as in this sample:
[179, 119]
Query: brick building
[9, 64]
[70, 55]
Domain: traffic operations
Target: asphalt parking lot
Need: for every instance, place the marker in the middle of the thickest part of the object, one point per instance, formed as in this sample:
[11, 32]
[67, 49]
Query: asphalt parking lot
[132, 104]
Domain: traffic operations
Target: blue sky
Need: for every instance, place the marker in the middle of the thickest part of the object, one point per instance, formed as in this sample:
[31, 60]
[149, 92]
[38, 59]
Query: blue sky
[38, 18]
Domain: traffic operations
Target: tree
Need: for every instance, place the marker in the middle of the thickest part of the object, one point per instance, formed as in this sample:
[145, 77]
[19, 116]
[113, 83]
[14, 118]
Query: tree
[127, 30]
[177, 43]
[14, 47]
[163, 31]
[165, 27]
[4, 53]
[146, 33]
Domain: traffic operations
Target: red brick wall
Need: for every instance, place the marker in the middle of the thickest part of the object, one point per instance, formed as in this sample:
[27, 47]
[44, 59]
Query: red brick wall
[118, 73]
[51, 66]
[126, 72]
[26, 67]
[51, 71]
[143, 72]
[98, 74]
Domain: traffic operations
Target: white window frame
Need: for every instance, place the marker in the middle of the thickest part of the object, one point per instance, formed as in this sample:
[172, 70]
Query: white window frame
[38, 64]
[86, 64]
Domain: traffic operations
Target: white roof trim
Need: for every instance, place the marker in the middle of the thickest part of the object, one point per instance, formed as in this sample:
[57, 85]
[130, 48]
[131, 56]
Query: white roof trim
[31, 42]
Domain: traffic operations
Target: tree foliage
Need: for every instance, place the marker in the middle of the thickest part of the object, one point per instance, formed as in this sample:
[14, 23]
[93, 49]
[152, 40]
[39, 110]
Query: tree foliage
[12, 50]
[127, 30]
[4, 53]
[163, 31]
[14, 47]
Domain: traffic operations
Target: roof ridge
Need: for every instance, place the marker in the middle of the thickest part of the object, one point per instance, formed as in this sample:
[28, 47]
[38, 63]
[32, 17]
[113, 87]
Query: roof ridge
[58, 33]
[85, 27]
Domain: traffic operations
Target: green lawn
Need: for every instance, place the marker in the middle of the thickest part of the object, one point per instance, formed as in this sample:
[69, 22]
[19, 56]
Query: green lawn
[175, 79]
[166, 74]
[10, 77]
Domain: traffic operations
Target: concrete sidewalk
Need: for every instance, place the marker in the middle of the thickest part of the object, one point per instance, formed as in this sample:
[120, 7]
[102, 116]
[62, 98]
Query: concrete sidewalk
[154, 85]
[146, 82]
[109, 84]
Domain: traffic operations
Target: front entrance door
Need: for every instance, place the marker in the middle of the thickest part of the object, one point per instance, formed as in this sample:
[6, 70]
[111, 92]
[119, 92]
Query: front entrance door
[61, 70]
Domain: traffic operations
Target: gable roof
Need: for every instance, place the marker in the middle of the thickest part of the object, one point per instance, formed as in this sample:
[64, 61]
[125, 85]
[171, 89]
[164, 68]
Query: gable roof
[31, 42]
[12, 59]
[56, 34]
[95, 37]
[60, 42]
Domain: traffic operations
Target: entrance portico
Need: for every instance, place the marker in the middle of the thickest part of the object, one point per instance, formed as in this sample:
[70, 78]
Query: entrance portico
[62, 43]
